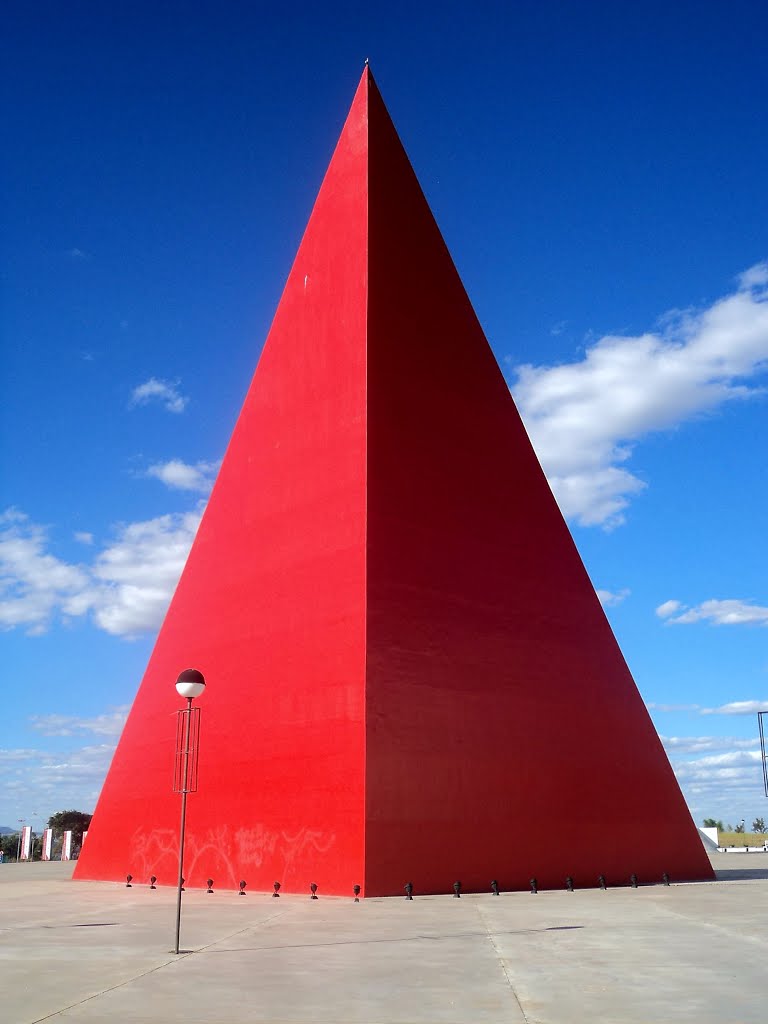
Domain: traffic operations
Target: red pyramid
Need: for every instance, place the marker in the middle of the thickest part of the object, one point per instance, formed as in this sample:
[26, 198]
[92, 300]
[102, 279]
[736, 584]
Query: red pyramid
[410, 676]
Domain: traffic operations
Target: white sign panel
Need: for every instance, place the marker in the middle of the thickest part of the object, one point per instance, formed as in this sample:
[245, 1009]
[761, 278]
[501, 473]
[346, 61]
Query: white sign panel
[47, 842]
[26, 842]
[66, 846]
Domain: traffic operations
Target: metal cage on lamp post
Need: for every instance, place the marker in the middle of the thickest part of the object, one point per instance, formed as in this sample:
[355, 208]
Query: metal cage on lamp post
[187, 749]
[190, 684]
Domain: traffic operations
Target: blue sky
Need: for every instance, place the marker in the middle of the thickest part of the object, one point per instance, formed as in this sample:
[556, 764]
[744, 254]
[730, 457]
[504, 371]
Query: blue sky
[599, 174]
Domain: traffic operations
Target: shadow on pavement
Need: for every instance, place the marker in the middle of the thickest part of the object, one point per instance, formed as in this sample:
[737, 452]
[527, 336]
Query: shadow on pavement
[737, 874]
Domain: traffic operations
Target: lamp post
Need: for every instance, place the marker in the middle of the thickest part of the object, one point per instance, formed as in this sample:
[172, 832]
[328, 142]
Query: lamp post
[32, 838]
[190, 684]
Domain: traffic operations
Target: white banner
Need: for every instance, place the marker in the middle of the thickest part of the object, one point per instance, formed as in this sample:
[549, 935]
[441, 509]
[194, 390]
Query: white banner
[66, 846]
[26, 842]
[84, 836]
[47, 841]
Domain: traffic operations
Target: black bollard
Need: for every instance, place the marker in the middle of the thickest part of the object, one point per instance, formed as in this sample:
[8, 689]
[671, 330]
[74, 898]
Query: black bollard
[356, 891]
[633, 880]
[601, 881]
[152, 880]
[665, 878]
[210, 885]
[276, 887]
[569, 883]
[534, 886]
[495, 887]
[242, 888]
[457, 890]
[313, 890]
[128, 881]
[408, 890]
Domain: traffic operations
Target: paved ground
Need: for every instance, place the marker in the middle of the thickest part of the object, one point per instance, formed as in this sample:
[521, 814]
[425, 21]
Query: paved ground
[98, 952]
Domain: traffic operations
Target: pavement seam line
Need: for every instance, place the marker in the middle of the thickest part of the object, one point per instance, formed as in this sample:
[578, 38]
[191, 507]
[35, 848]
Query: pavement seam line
[248, 927]
[712, 925]
[177, 957]
[112, 988]
[502, 962]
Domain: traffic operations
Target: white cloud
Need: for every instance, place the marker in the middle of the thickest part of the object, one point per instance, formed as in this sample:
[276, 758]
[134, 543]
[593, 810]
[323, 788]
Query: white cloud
[16, 755]
[727, 765]
[738, 707]
[667, 609]
[698, 744]
[729, 612]
[86, 765]
[83, 538]
[51, 781]
[652, 706]
[584, 417]
[110, 723]
[126, 589]
[755, 277]
[609, 599]
[181, 476]
[33, 583]
[723, 784]
[139, 572]
[162, 391]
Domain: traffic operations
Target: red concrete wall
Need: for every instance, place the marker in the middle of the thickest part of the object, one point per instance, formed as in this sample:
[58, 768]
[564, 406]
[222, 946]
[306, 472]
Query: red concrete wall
[408, 667]
[271, 605]
[498, 702]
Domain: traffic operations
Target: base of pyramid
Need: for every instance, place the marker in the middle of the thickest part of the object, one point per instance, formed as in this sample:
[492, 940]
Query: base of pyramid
[431, 872]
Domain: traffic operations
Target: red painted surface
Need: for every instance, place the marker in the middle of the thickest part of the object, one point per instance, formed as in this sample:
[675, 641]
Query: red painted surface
[410, 675]
[271, 605]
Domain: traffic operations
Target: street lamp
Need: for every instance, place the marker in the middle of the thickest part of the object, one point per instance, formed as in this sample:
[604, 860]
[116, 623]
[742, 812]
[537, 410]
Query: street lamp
[190, 684]
[32, 837]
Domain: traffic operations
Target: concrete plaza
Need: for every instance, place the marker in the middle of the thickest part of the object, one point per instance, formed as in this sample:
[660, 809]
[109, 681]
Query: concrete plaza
[96, 951]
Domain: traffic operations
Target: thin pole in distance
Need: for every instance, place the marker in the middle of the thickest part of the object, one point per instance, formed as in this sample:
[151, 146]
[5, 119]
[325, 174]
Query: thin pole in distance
[189, 685]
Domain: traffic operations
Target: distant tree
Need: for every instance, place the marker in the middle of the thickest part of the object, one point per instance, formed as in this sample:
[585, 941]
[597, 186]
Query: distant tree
[77, 821]
[758, 825]
[9, 845]
[714, 823]
[739, 828]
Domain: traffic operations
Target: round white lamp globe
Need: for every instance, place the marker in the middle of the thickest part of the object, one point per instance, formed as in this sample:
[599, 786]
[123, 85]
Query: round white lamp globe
[190, 683]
